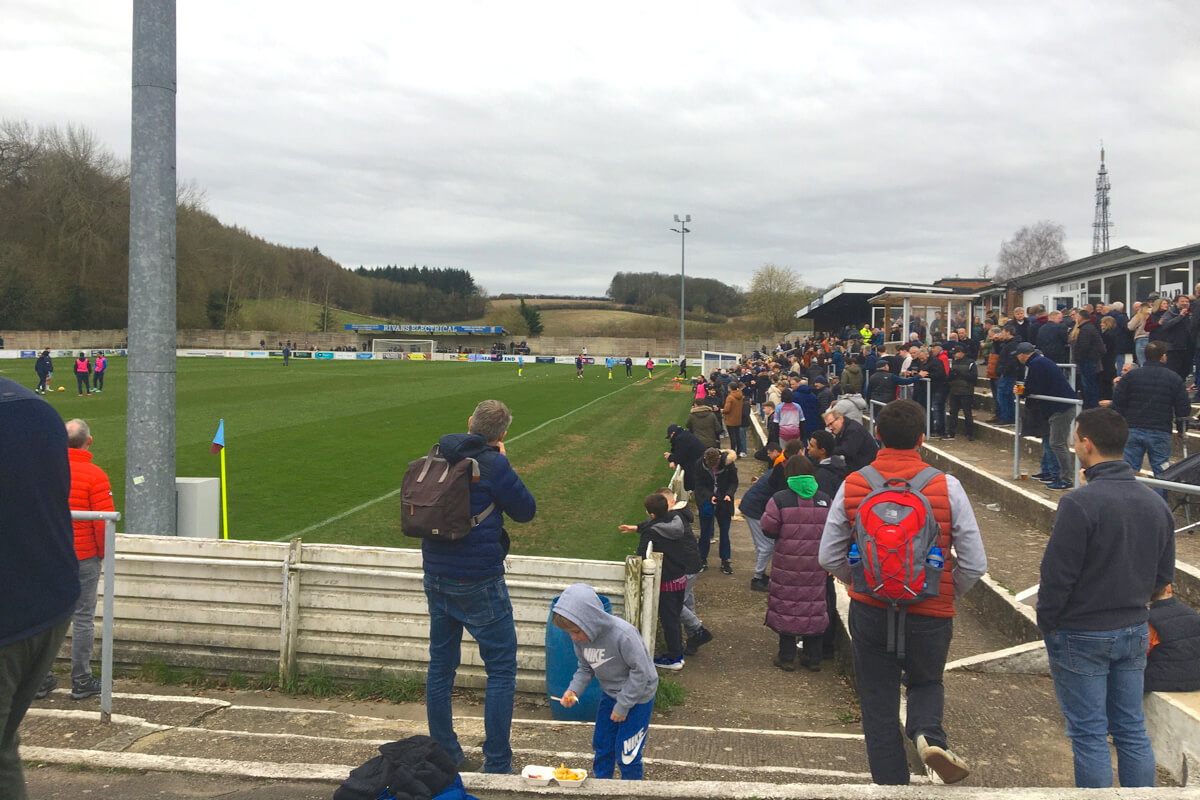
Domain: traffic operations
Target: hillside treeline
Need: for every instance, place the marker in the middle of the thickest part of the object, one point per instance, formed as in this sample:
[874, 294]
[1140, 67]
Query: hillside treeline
[659, 293]
[424, 294]
[64, 251]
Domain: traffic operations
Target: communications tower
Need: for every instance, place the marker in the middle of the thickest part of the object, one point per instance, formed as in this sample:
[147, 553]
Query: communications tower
[1101, 225]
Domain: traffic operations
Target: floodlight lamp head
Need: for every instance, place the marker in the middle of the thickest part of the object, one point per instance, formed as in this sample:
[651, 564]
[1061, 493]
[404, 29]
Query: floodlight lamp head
[687, 217]
[677, 218]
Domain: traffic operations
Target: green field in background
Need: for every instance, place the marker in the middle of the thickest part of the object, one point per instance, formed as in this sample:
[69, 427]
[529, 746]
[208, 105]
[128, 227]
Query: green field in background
[316, 439]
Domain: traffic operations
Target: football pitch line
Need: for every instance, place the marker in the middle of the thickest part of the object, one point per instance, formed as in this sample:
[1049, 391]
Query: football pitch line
[396, 491]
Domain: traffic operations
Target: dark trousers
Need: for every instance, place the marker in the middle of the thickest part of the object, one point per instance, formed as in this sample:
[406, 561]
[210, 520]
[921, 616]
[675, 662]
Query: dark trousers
[81, 382]
[23, 667]
[670, 607]
[98, 380]
[960, 402]
[878, 676]
[813, 648]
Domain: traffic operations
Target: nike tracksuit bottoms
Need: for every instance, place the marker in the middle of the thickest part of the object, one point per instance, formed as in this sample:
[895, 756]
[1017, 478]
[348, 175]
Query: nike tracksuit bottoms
[620, 742]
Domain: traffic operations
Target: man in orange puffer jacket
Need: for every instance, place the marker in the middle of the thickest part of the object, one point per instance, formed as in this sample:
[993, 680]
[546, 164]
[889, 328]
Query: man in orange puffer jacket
[928, 624]
[90, 491]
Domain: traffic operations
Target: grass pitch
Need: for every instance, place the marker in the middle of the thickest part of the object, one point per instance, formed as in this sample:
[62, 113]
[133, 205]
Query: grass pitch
[318, 448]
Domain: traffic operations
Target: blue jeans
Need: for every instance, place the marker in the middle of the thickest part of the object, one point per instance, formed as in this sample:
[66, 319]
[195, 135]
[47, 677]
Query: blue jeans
[1049, 465]
[1089, 384]
[1098, 680]
[1139, 350]
[483, 608]
[1156, 444]
[1006, 405]
[706, 534]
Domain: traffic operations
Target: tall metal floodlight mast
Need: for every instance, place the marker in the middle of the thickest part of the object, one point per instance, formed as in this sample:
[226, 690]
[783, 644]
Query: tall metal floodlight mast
[1102, 223]
[150, 420]
[683, 231]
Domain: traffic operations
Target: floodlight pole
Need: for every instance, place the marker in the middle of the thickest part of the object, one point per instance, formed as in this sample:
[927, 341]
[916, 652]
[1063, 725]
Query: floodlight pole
[683, 232]
[150, 420]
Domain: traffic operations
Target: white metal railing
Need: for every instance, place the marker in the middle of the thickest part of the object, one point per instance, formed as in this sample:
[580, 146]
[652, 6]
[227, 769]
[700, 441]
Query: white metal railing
[1075, 403]
[110, 519]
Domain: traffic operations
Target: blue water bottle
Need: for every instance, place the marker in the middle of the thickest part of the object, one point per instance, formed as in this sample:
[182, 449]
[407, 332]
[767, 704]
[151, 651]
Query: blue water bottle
[934, 559]
[854, 556]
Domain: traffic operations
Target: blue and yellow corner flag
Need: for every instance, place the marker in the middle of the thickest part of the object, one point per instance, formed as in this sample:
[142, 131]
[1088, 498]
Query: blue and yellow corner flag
[218, 442]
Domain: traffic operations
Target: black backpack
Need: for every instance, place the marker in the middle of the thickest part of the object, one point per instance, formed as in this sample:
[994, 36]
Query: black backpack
[437, 498]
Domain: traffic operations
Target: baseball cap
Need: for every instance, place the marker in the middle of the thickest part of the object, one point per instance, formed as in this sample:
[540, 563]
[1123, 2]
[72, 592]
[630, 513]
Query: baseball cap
[673, 429]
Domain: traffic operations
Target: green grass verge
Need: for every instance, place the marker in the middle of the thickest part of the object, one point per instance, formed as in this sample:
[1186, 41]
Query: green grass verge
[319, 439]
[669, 693]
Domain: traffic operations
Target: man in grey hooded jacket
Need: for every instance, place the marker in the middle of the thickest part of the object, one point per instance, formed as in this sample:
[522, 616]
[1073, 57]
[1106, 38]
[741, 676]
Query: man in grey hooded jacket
[612, 650]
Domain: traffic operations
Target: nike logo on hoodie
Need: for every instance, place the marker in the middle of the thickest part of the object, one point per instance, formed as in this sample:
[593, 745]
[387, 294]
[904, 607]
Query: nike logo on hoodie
[595, 656]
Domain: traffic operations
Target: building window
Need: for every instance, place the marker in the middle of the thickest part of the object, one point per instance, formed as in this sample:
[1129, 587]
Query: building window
[1093, 292]
[1143, 283]
[1173, 279]
[1115, 289]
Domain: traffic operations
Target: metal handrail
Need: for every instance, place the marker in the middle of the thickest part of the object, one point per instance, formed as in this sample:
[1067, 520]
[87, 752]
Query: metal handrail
[110, 519]
[1075, 403]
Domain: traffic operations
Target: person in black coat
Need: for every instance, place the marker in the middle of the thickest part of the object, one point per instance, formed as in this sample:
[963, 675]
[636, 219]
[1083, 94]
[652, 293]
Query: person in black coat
[830, 469]
[1173, 663]
[685, 451]
[1052, 338]
[854, 443]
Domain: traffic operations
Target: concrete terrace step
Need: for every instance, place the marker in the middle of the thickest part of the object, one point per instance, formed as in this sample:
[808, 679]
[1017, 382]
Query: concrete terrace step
[172, 727]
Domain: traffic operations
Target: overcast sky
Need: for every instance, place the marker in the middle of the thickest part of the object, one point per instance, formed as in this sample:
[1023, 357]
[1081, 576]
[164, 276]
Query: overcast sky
[546, 146]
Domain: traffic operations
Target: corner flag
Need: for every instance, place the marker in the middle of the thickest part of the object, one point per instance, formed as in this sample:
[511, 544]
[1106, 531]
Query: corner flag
[218, 446]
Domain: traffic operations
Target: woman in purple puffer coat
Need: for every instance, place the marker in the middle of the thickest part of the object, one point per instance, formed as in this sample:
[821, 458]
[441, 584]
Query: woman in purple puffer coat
[795, 518]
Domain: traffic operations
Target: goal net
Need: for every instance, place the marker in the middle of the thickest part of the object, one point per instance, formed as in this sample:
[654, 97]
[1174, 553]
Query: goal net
[711, 360]
[409, 349]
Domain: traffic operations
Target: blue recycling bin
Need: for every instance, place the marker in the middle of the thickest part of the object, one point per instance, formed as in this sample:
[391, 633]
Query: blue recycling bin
[560, 668]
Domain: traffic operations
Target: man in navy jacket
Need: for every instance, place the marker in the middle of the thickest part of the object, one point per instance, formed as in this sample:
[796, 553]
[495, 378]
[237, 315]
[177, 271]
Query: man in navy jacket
[1151, 398]
[464, 585]
[39, 573]
[1044, 377]
[1112, 545]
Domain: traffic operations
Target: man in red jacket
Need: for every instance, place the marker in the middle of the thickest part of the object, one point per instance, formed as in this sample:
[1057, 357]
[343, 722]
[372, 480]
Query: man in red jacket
[928, 624]
[90, 491]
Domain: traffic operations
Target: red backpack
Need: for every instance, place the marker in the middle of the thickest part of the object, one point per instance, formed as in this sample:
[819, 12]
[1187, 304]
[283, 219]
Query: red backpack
[896, 555]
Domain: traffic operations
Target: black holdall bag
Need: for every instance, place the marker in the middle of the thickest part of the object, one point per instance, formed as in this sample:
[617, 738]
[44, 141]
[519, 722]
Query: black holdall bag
[436, 496]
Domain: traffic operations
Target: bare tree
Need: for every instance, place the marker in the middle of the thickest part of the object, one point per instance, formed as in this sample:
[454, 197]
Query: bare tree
[776, 294]
[1034, 247]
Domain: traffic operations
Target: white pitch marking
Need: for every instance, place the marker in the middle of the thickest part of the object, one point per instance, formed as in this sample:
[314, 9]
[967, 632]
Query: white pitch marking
[396, 491]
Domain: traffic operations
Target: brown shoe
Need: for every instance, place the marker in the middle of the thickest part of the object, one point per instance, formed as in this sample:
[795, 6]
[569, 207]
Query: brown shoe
[786, 666]
[992, 420]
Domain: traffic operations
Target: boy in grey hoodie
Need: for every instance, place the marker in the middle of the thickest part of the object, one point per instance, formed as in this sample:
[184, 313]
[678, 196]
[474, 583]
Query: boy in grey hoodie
[612, 650]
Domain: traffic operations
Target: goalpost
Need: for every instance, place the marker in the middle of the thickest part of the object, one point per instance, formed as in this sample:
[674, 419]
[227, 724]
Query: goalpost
[410, 349]
[711, 360]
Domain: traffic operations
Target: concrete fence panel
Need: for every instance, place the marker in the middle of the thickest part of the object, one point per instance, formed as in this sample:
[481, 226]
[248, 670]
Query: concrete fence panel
[350, 611]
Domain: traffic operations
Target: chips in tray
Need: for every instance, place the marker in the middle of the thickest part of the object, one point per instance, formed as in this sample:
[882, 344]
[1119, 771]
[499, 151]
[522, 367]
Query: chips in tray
[562, 773]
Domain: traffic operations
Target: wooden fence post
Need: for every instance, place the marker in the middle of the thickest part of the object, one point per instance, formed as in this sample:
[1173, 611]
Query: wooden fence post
[289, 618]
[633, 590]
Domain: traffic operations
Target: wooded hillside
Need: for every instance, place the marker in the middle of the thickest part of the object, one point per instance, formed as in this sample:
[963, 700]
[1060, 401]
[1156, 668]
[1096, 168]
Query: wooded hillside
[64, 251]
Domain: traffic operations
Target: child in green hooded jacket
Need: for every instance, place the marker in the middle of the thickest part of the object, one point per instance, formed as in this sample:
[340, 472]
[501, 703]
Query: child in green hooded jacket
[795, 518]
